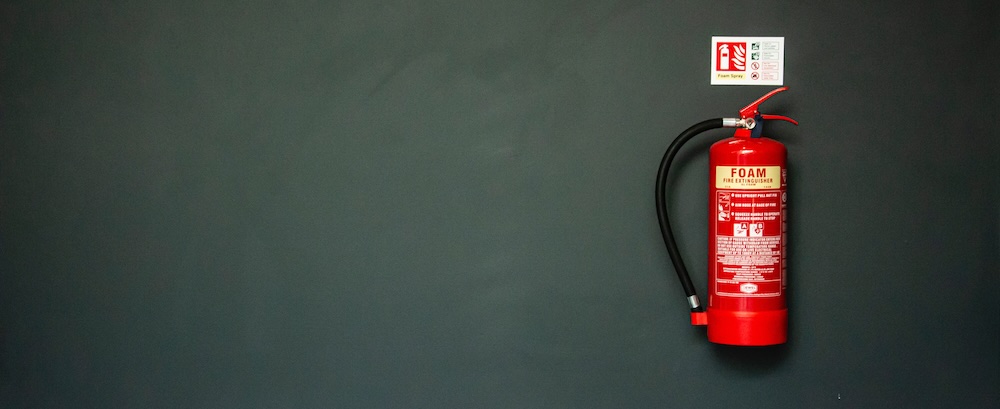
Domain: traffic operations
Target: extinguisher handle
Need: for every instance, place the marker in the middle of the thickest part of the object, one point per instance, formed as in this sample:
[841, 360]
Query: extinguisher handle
[752, 110]
[769, 117]
[757, 130]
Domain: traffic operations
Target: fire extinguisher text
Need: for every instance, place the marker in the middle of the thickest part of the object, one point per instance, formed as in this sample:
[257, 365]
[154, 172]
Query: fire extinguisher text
[748, 172]
[747, 177]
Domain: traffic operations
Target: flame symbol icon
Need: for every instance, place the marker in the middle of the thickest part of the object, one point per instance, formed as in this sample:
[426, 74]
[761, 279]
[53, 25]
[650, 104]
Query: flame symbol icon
[740, 57]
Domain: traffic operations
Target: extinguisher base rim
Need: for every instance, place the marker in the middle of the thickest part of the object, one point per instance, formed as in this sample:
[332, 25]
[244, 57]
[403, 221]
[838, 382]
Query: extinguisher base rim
[747, 328]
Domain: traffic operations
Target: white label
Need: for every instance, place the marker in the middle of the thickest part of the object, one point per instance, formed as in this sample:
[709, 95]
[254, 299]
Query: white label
[748, 60]
[750, 262]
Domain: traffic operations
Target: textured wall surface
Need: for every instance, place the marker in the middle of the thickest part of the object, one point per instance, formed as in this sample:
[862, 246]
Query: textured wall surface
[426, 204]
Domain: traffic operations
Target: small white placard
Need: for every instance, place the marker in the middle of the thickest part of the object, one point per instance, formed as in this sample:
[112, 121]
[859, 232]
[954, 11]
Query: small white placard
[748, 60]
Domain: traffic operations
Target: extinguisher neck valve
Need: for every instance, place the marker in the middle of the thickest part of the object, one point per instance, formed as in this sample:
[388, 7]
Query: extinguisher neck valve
[741, 123]
[751, 119]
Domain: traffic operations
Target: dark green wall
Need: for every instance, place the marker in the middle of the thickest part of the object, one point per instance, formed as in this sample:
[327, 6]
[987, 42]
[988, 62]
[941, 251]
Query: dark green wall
[427, 204]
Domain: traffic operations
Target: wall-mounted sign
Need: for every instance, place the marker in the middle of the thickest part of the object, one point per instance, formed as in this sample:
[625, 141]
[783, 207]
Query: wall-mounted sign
[748, 60]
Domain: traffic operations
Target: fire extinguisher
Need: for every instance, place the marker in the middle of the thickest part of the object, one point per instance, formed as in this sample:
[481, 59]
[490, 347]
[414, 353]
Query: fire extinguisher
[747, 231]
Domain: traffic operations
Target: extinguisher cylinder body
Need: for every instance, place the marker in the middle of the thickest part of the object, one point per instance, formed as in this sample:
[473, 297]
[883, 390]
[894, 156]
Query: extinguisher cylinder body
[747, 242]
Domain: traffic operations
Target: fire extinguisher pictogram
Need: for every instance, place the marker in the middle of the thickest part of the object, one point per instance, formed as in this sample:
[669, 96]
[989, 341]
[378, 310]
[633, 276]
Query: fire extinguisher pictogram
[747, 231]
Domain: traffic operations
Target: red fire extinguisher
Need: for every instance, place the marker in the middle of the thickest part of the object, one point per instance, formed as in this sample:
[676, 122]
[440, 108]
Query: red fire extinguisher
[747, 231]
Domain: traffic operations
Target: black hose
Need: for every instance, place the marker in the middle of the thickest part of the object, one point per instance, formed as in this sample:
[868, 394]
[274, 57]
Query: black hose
[661, 206]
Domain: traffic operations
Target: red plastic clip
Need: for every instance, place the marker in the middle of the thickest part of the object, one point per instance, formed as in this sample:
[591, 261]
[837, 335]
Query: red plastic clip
[699, 318]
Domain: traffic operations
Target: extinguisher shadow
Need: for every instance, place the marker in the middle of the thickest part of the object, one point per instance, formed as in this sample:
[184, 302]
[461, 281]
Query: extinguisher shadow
[751, 360]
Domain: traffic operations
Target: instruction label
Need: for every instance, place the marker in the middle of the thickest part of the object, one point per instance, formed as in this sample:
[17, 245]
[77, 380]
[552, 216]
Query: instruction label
[750, 240]
[748, 60]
